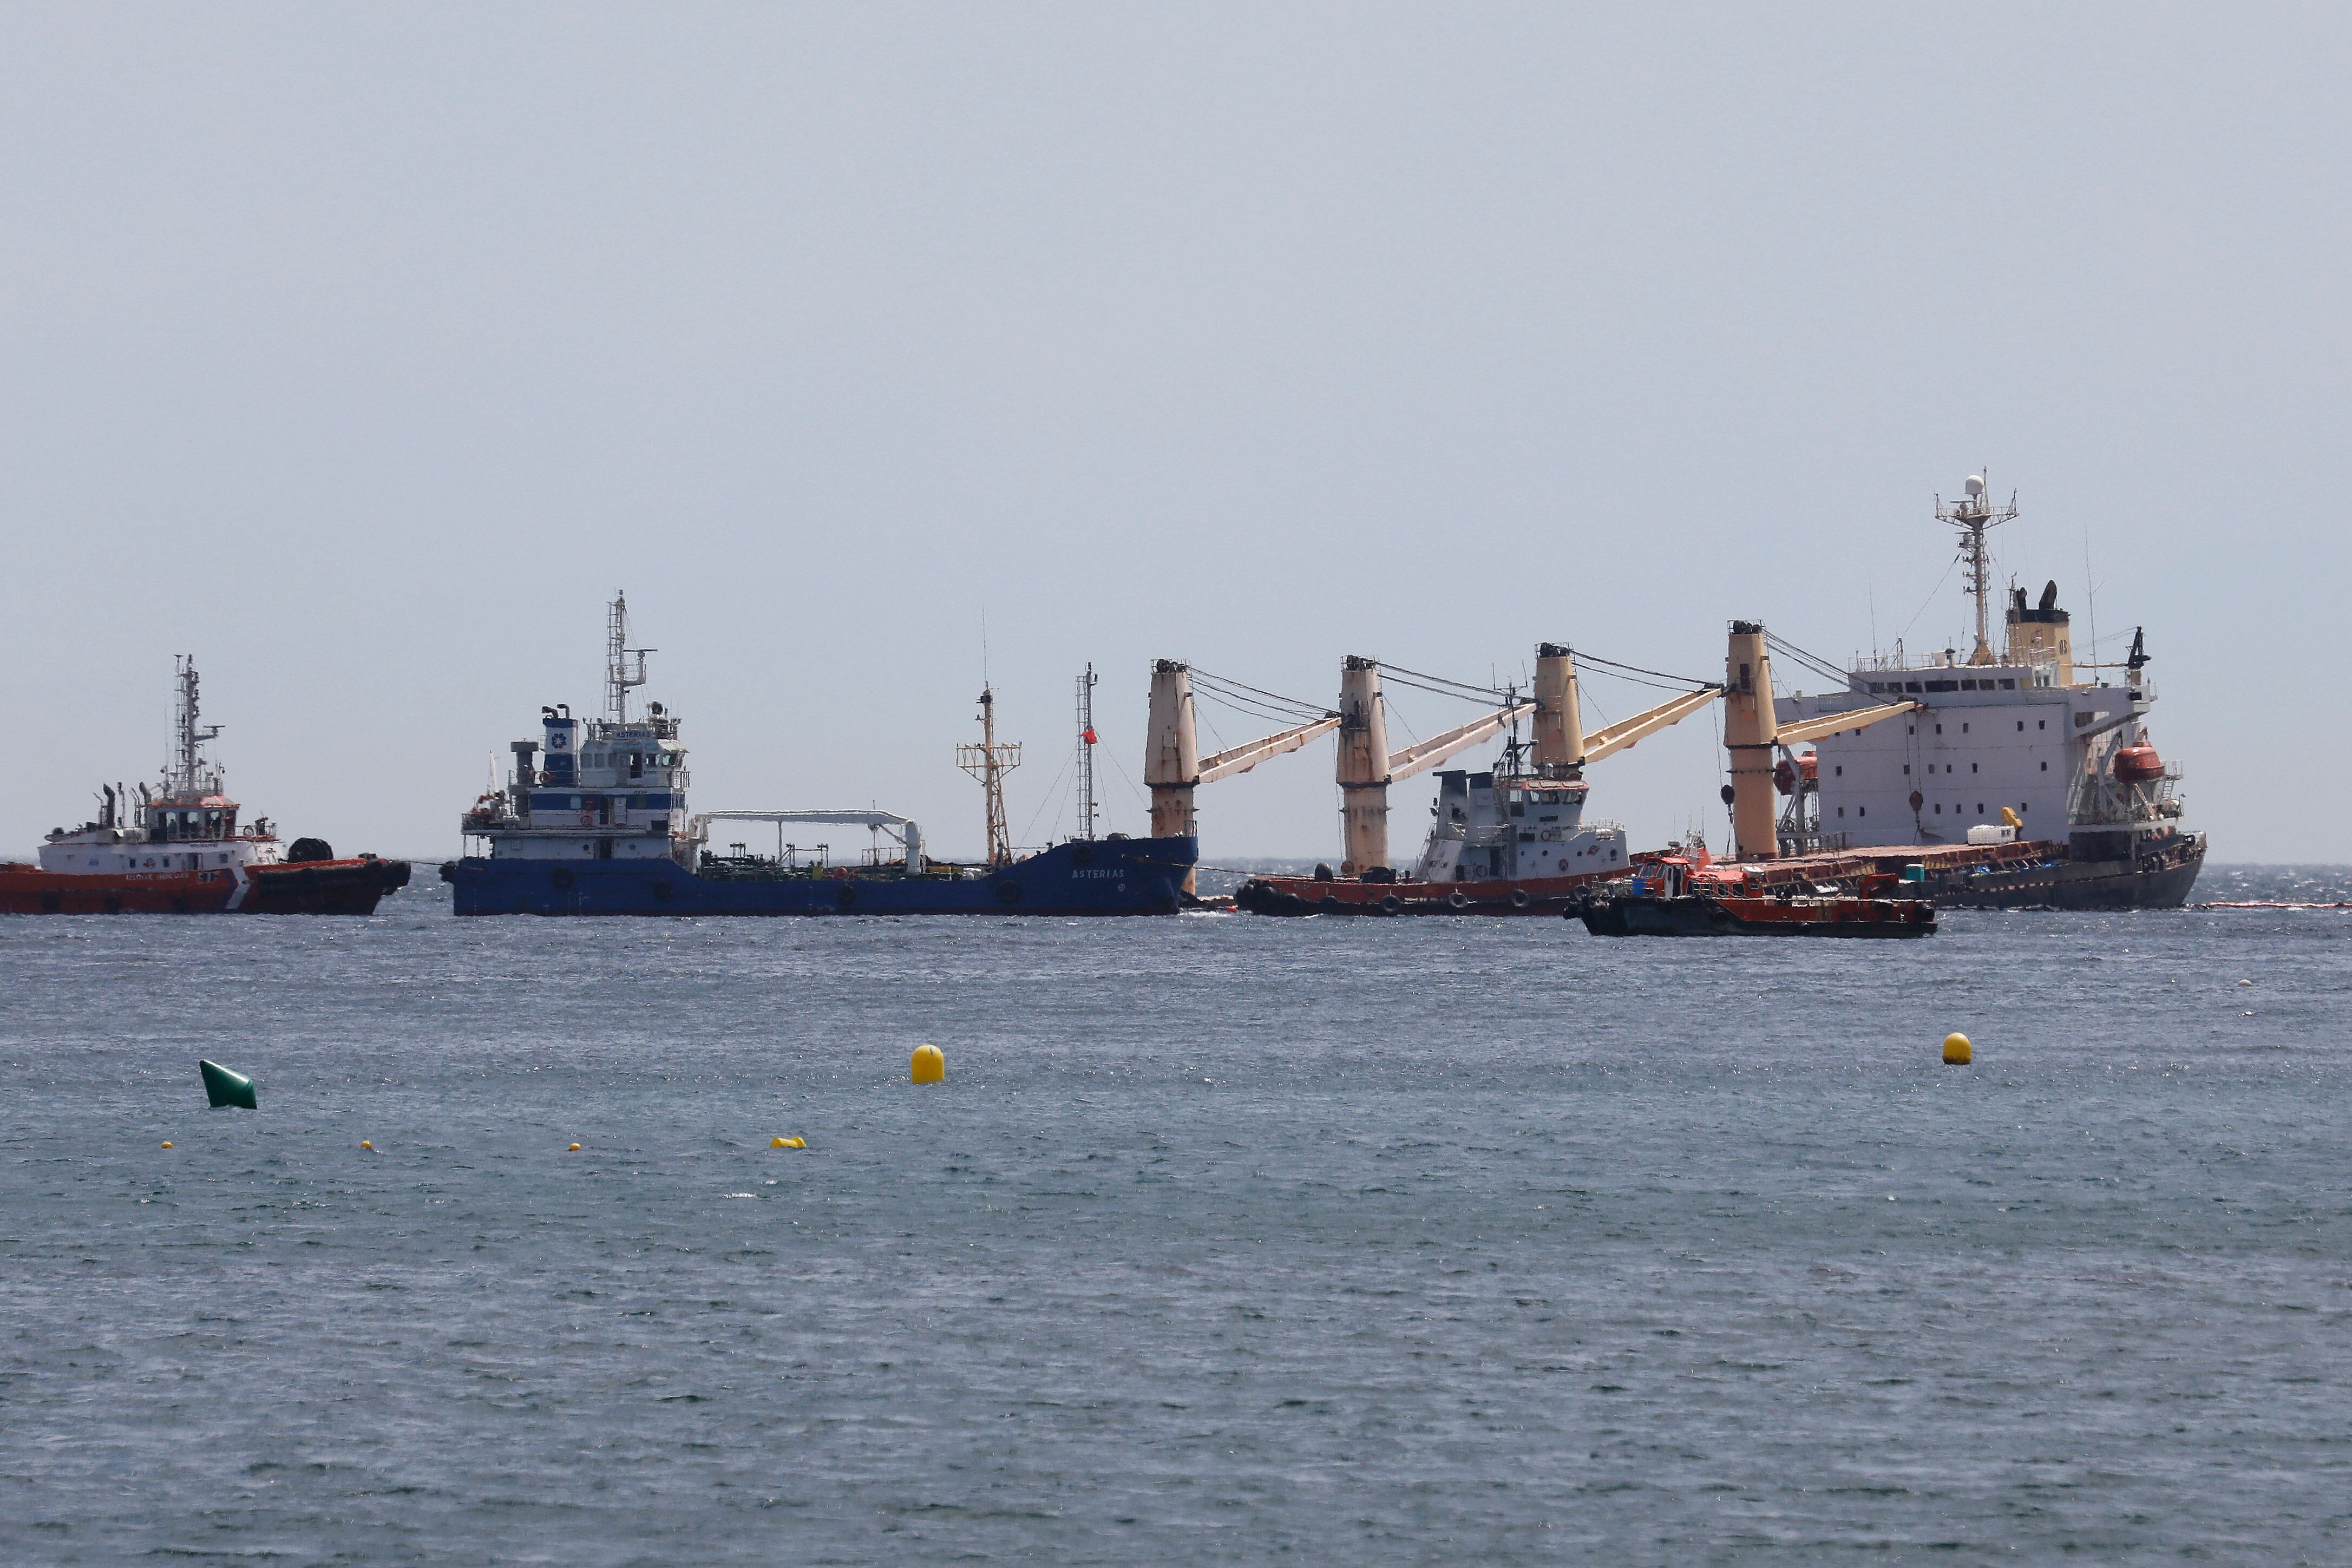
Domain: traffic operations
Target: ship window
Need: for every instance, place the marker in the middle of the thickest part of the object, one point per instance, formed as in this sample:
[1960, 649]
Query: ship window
[1964, 729]
[2042, 723]
[1840, 773]
[1939, 808]
[2006, 685]
[2045, 767]
[1910, 686]
[1939, 729]
[1861, 810]
[1972, 768]
[1906, 767]
[2020, 726]
[1981, 807]
[1841, 811]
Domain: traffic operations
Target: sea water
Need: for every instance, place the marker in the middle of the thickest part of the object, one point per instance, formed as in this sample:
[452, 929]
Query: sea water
[1227, 1238]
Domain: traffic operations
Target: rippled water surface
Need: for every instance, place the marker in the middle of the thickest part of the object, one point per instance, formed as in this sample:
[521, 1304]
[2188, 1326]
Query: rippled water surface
[1426, 1240]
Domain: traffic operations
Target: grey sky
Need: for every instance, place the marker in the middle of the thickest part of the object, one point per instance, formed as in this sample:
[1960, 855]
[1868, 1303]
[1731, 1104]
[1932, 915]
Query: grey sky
[363, 353]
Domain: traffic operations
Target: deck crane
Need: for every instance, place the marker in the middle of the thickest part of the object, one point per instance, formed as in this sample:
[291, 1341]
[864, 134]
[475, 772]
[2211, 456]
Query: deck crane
[1562, 749]
[1752, 733]
[1173, 764]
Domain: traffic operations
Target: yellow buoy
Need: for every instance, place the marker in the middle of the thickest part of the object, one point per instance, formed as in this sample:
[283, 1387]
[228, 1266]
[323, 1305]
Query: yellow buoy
[928, 1066]
[1956, 1051]
[788, 1143]
[574, 1149]
[365, 1145]
[167, 1146]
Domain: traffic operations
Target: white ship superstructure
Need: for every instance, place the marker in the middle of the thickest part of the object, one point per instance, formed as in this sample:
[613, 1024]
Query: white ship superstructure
[2025, 742]
[602, 788]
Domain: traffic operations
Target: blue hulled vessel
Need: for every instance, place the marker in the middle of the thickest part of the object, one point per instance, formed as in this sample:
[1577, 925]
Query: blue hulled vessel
[595, 821]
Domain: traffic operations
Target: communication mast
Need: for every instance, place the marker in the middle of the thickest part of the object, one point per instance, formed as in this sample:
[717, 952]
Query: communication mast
[618, 676]
[1088, 805]
[989, 762]
[188, 739]
[1973, 514]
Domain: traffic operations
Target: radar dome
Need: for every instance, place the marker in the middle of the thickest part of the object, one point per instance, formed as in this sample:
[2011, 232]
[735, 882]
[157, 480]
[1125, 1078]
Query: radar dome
[1976, 485]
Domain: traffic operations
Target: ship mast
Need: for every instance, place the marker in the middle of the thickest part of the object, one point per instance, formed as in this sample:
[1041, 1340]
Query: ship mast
[1087, 804]
[990, 762]
[1973, 514]
[618, 676]
[189, 737]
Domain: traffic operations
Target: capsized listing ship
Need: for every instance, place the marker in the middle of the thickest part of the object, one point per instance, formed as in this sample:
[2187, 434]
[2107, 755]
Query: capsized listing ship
[180, 848]
[595, 821]
[2018, 777]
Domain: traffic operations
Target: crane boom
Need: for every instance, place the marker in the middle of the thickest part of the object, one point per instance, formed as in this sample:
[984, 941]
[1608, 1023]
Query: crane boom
[1860, 718]
[1416, 759]
[1621, 735]
[1241, 758]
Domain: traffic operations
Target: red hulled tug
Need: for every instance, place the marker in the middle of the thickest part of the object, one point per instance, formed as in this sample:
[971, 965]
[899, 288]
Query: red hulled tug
[179, 849]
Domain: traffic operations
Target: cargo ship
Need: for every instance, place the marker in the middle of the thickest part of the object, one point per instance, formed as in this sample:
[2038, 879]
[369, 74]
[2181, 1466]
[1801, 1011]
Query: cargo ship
[2015, 778]
[181, 849]
[593, 821]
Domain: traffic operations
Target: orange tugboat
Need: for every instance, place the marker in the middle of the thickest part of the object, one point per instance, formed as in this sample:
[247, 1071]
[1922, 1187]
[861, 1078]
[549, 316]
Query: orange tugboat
[180, 849]
[1679, 895]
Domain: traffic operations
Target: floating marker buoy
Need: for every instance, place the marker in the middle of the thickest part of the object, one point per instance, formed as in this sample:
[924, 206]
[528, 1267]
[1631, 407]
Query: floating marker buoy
[167, 1144]
[928, 1066]
[574, 1149]
[1956, 1051]
[365, 1145]
[223, 1087]
[788, 1143]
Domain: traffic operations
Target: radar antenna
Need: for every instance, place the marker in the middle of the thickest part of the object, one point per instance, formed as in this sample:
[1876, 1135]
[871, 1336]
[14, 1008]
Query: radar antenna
[618, 678]
[1973, 514]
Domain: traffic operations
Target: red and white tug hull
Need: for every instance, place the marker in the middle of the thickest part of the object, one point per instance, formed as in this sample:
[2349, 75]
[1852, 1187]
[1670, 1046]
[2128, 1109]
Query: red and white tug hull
[306, 887]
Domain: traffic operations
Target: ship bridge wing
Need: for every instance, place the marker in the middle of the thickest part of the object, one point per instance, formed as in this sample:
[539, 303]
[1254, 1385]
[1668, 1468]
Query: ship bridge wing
[1830, 724]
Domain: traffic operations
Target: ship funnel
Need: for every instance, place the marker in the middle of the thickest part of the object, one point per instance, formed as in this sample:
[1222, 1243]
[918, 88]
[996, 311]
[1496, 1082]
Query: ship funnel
[1171, 758]
[1363, 768]
[1751, 731]
[1559, 720]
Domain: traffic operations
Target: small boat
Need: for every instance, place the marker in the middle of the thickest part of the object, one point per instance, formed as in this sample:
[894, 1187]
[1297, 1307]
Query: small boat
[180, 849]
[1677, 897]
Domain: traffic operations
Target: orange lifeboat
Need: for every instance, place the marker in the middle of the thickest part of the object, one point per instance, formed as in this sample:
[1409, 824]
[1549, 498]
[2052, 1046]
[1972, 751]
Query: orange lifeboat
[1788, 776]
[2139, 764]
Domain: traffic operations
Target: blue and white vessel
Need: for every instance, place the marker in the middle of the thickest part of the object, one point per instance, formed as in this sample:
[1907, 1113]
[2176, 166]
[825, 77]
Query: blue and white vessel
[593, 821]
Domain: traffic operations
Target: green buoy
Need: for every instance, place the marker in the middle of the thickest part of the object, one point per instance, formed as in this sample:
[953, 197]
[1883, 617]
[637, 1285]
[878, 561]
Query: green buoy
[223, 1087]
